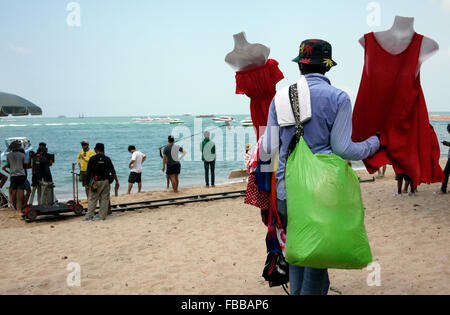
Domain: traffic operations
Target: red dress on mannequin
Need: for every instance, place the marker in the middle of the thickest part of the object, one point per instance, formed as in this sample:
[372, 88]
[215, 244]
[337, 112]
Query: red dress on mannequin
[259, 83]
[391, 101]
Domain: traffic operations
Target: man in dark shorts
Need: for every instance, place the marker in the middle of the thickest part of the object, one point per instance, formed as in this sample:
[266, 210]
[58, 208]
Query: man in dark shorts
[172, 159]
[135, 167]
[17, 166]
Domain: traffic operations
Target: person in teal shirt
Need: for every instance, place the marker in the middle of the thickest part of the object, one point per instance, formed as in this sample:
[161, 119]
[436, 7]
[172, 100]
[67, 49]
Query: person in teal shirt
[209, 158]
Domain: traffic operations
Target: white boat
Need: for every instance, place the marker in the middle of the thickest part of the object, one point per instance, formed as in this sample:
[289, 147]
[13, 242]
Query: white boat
[26, 145]
[163, 120]
[223, 119]
[154, 120]
[247, 123]
[205, 116]
[176, 121]
[148, 119]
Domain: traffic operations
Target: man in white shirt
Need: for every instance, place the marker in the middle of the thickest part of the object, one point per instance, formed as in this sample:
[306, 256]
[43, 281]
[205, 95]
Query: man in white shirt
[135, 166]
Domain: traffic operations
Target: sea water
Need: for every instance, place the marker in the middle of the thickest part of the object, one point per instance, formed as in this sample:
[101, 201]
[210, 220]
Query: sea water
[63, 137]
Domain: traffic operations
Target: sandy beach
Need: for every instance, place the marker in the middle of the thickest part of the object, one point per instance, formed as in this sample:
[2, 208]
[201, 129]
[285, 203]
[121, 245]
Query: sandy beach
[218, 247]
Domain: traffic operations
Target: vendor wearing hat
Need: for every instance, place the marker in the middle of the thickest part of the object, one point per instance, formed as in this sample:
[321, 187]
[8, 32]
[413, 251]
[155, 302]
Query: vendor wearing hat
[83, 159]
[328, 130]
[100, 175]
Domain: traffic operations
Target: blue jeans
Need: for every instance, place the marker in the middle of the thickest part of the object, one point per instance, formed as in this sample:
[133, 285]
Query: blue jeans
[304, 280]
[209, 165]
[308, 281]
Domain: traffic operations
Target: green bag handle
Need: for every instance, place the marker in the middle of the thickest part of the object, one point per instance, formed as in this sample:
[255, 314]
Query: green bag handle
[295, 105]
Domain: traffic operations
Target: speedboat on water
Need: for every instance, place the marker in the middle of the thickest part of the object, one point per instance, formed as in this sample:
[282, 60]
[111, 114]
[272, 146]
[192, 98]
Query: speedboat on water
[247, 122]
[221, 119]
[205, 116]
[176, 121]
[26, 145]
[148, 119]
[163, 120]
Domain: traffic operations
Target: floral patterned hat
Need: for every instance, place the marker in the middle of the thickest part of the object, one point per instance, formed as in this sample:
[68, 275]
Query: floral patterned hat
[315, 52]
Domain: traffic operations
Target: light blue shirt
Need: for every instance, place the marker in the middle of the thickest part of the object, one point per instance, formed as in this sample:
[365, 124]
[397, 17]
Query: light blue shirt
[329, 130]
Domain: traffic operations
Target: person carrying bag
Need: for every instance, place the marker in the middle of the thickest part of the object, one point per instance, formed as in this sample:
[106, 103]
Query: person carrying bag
[318, 196]
[325, 209]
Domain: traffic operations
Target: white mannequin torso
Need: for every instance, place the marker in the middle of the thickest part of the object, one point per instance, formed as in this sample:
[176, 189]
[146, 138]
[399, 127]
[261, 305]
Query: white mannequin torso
[246, 55]
[399, 37]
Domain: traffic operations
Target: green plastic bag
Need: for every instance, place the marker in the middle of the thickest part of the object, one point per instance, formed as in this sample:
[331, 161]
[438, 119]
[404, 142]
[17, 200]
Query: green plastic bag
[325, 212]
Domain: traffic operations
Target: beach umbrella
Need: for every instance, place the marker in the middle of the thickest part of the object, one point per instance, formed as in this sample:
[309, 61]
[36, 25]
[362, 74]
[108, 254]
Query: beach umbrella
[14, 105]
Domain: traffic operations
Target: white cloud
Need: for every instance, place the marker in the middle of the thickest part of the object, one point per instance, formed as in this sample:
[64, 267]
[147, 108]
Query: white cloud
[446, 5]
[16, 49]
[443, 5]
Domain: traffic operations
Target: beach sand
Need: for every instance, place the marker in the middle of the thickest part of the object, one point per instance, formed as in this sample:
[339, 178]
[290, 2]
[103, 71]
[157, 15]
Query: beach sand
[218, 248]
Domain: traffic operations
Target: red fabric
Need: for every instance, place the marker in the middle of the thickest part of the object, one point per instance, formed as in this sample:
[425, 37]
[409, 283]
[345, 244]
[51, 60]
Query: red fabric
[258, 84]
[253, 197]
[391, 101]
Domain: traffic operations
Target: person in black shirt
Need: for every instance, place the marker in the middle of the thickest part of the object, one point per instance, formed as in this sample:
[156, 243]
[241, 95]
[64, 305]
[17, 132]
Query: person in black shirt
[100, 174]
[50, 157]
[172, 160]
[42, 177]
[41, 167]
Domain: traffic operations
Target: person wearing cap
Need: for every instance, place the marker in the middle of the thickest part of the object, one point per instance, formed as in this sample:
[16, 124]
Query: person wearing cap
[328, 131]
[50, 157]
[17, 169]
[100, 174]
[83, 159]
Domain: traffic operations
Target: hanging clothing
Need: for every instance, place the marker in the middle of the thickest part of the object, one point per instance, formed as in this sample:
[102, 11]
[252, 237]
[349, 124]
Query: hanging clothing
[391, 101]
[253, 197]
[258, 84]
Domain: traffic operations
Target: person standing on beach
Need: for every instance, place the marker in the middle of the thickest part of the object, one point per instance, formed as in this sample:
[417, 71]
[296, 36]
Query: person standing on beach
[50, 157]
[382, 171]
[400, 178]
[137, 158]
[83, 159]
[172, 160]
[209, 158]
[447, 167]
[27, 183]
[100, 172]
[42, 177]
[16, 163]
[329, 131]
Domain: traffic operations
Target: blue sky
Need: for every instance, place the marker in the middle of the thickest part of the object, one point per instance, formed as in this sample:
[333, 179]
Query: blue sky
[142, 57]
